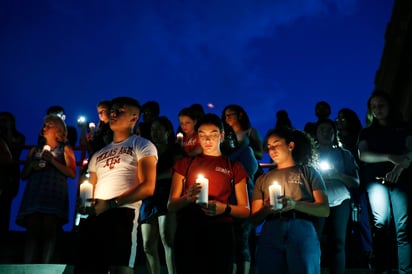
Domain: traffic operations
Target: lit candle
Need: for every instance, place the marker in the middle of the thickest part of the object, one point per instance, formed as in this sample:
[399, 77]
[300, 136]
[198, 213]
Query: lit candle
[42, 162]
[179, 137]
[275, 191]
[204, 192]
[92, 126]
[86, 192]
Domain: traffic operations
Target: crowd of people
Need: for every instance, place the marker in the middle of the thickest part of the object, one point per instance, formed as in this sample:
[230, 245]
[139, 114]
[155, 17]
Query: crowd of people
[199, 192]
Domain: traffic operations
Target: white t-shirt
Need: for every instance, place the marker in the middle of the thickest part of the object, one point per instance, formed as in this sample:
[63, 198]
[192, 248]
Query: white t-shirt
[116, 166]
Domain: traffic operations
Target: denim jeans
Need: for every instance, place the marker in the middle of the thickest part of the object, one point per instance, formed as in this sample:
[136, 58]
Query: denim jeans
[335, 228]
[288, 246]
[386, 201]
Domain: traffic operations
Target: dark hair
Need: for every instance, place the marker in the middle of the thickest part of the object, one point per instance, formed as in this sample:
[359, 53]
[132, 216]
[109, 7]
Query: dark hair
[335, 141]
[9, 116]
[304, 152]
[352, 120]
[230, 142]
[188, 112]
[126, 101]
[153, 106]
[325, 105]
[210, 119]
[242, 116]
[105, 104]
[394, 116]
[167, 124]
[197, 110]
[282, 119]
[55, 109]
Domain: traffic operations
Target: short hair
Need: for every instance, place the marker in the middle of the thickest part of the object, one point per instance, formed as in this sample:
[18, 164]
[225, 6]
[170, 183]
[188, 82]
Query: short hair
[210, 119]
[126, 101]
[153, 106]
[55, 109]
[335, 141]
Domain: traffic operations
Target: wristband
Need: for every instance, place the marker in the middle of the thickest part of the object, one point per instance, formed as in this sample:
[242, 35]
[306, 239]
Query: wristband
[227, 210]
[113, 203]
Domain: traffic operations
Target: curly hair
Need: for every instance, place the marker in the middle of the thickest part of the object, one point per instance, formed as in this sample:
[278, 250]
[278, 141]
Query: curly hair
[305, 152]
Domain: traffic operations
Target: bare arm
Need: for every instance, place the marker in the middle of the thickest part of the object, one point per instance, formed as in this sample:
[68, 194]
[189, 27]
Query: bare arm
[351, 181]
[146, 174]
[176, 200]
[368, 156]
[68, 169]
[146, 178]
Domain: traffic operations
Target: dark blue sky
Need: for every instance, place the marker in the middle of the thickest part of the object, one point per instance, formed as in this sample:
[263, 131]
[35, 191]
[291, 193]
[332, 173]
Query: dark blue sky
[263, 55]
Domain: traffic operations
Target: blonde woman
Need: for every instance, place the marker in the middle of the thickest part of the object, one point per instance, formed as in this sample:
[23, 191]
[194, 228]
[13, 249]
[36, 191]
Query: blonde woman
[45, 203]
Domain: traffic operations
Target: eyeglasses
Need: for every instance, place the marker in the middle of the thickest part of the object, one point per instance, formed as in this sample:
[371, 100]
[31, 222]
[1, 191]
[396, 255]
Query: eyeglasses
[340, 120]
[230, 114]
[212, 137]
[102, 112]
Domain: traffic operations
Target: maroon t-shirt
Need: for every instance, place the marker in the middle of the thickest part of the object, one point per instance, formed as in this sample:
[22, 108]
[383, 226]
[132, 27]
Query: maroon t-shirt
[219, 171]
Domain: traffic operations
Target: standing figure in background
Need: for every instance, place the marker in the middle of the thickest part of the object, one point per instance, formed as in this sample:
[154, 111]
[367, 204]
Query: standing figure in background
[236, 117]
[204, 234]
[340, 172]
[150, 112]
[187, 121]
[282, 119]
[385, 146]
[348, 127]
[123, 173]
[322, 111]
[155, 220]
[14, 141]
[242, 153]
[102, 135]
[45, 204]
[288, 242]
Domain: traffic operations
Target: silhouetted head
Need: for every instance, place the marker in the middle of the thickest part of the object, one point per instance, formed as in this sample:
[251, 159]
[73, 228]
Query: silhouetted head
[322, 109]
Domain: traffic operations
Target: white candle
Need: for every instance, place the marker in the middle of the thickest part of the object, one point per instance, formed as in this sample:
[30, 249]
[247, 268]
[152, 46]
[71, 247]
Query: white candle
[86, 192]
[92, 126]
[42, 162]
[204, 192]
[179, 137]
[275, 191]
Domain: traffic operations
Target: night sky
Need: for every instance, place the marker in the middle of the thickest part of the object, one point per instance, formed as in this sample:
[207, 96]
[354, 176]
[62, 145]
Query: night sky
[263, 55]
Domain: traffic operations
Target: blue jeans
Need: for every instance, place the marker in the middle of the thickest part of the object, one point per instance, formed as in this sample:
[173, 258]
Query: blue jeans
[335, 227]
[288, 246]
[385, 201]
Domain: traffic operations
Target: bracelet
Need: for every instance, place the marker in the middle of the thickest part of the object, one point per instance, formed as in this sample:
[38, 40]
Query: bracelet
[113, 203]
[227, 210]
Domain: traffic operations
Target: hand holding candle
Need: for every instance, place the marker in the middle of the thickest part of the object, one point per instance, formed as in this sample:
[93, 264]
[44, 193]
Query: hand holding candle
[275, 191]
[86, 193]
[42, 162]
[179, 138]
[204, 192]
